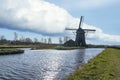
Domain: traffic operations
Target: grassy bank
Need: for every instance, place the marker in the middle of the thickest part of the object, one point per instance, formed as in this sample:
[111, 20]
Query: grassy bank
[6, 51]
[44, 46]
[68, 48]
[33, 46]
[15, 46]
[106, 66]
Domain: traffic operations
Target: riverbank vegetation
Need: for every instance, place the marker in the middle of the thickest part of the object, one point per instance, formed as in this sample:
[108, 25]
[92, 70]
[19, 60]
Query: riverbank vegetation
[15, 46]
[6, 51]
[68, 48]
[37, 46]
[106, 66]
[44, 46]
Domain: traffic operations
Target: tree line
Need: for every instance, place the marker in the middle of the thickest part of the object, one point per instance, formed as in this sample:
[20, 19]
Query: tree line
[26, 40]
[23, 40]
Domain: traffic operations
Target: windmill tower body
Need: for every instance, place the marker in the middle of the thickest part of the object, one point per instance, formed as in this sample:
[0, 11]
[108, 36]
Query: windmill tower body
[80, 38]
[80, 35]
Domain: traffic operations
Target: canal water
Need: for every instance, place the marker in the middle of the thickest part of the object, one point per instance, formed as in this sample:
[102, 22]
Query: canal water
[44, 64]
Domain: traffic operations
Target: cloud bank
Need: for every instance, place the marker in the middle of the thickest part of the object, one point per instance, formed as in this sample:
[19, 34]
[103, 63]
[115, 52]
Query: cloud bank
[33, 15]
[43, 17]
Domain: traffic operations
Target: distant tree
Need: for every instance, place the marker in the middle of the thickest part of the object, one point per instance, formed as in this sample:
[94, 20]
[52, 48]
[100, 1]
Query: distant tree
[60, 40]
[2, 37]
[42, 40]
[66, 39]
[35, 40]
[49, 40]
[3, 40]
[22, 39]
[15, 36]
[45, 41]
[28, 40]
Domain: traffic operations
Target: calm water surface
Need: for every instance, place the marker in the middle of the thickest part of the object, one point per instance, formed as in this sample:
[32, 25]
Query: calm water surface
[43, 64]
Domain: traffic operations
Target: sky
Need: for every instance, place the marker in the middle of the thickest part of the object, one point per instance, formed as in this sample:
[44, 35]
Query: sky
[49, 18]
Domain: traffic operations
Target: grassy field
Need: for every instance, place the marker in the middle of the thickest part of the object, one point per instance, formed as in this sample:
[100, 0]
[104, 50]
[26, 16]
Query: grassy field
[15, 46]
[68, 48]
[33, 46]
[44, 46]
[106, 66]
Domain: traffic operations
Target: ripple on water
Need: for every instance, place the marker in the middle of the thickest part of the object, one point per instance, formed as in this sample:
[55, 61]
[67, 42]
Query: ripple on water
[43, 64]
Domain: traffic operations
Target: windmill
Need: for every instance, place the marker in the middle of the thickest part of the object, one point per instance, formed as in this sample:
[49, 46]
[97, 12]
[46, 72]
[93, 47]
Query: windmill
[80, 34]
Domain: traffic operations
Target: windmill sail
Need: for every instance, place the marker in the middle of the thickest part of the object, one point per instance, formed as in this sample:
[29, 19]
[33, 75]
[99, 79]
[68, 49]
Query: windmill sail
[81, 19]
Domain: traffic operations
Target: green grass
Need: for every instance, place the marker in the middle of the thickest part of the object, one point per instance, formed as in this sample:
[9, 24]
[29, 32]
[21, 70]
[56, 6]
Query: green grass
[106, 66]
[33, 46]
[68, 48]
[15, 46]
[44, 46]
[5, 51]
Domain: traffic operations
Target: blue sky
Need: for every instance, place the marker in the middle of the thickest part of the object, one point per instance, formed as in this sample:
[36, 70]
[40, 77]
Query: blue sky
[49, 18]
[106, 16]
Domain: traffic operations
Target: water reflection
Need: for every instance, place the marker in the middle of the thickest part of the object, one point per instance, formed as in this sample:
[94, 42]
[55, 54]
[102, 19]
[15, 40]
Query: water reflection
[52, 67]
[43, 64]
[80, 54]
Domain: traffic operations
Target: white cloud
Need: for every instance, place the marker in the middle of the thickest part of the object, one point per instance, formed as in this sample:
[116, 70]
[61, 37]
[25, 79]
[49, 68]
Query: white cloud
[44, 17]
[99, 34]
[37, 15]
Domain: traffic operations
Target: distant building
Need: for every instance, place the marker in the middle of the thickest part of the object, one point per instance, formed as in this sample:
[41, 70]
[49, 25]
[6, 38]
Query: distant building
[69, 43]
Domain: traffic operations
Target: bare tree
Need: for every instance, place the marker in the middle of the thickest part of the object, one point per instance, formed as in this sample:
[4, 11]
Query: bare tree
[15, 36]
[49, 40]
[35, 40]
[66, 39]
[45, 41]
[3, 40]
[60, 41]
[2, 37]
[28, 40]
[22, 39]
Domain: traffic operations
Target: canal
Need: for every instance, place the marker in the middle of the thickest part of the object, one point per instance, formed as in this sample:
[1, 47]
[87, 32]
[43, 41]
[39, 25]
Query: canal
[44, 64]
